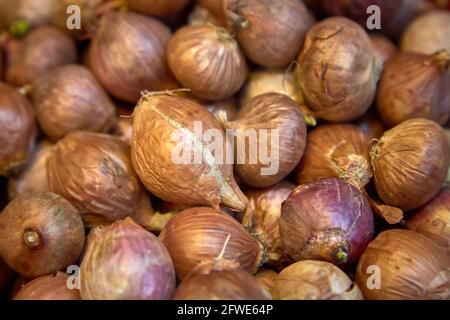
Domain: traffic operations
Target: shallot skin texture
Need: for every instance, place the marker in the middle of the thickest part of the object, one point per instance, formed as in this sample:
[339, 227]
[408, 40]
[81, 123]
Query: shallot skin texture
[123, 261]
[327, 220]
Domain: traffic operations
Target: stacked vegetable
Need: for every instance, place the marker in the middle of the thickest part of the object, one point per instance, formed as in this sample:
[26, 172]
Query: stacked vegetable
[95, 206]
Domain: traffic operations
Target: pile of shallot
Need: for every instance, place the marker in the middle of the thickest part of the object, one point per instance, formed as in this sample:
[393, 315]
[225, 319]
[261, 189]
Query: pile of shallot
[224, 149]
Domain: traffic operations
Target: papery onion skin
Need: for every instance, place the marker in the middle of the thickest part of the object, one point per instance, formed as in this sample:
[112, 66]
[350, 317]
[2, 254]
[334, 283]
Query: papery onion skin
[383, 48]
[207, 60]
[266, 206]
[34, 176]
[428, 33]
[122, 69]
[88, 15]
[198, 234]
[270, 112]
[264, 27]
[40, 233]
[337, 70]
[410, 163]
[271, 80]
[48, 287]
[415, 86]
[433, 219]
[314, 280]
[42, 50]
[125, 262]
[70, 99]
[395, 15]
[410, 267]
[266, 278]
[158, 8]
[336, 151]
[17, 130]
[157, 118]
[220, 280]
[338, 230]
[94, 172]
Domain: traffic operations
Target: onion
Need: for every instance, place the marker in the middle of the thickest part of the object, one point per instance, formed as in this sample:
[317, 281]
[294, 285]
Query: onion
[327, 220]
[200, 16]
[314, 280]
[94, 172]
[410, 163]
[42, 50]
[158, 8]
[395, 15]
[271, 33]
[128, 53]
[428, 33]
[338, 70]
[404, 265]
[40, 233]
[266, 206]
[220, 280]
[207, 60]
[278, 124]
[124, 129]
[26, 12]
[433, 220]
[415, 86]
[266, 278]
[123, 261]
[338, 151]
[371, 125]
[88, 15]
[383, 48]
[69, 99]
[271, 80]
[228, 107]
[34, 176]
[216, 8]
[198, 234]
[50, 287]
[157, 118]
[18, 130]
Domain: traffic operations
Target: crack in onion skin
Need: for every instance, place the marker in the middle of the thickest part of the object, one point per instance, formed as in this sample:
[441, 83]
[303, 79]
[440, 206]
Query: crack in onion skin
[336, 151]
[415, 86]
[327, 220]
[428, 33]
[410, 163]
[207, 60]
[34, 176]
[94, 172]
[158, 8]
[270, 111]
[42, 50]
[337, 70]
[220, 280]
[156, 119]
[48, 287]
[433, 219]
[314, 280]
[266, 206]
[411, 266]
[128, 55]
[383, 48]
[69, 99]
[199, 234]
[271, 80]
[270, 33]
[17, 130]
[123, 261]
[40, 233]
